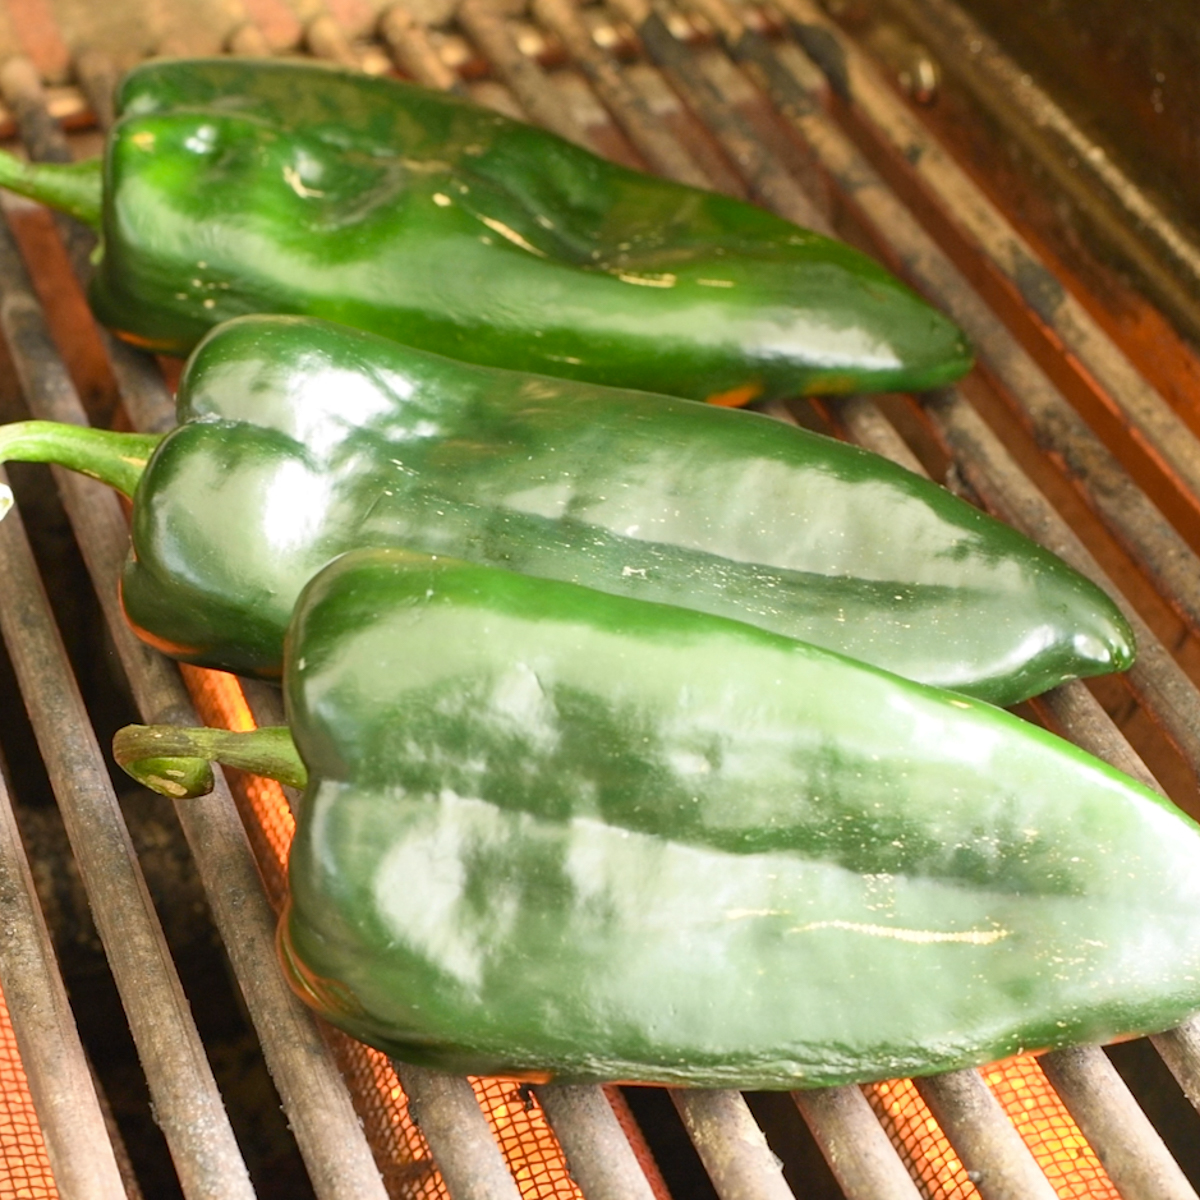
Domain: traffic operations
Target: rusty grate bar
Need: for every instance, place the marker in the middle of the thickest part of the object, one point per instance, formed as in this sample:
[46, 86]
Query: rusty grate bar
[731, 1145]
[854, 1144]
[76, 1137]
[1128, 216]
[984, 1139]
[599, 1154]
[1100, 362]
[1129, 1147]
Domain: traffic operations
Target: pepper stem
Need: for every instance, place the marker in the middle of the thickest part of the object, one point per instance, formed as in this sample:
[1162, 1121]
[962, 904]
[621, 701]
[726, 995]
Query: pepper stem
[176, 762]
[117, 459]
[74, 188]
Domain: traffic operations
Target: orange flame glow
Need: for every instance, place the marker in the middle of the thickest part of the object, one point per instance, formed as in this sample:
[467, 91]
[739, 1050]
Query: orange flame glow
[24, 1165]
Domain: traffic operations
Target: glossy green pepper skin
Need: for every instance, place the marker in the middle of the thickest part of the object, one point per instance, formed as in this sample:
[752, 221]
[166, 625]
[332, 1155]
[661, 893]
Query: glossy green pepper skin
[554, 834]
[300, 440]
[234, 186]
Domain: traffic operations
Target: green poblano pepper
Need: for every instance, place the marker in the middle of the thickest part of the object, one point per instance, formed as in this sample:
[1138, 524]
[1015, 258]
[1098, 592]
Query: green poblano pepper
[555, 834]
[233, 186]
[300, 439]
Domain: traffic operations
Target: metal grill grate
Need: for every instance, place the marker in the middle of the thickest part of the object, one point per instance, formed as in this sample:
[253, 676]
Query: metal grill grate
[1071, 430]
[1037, 1114]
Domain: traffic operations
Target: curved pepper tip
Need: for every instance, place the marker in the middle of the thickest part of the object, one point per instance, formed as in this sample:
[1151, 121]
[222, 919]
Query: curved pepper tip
[943, 358]
[1105, 644]
[6, 500]
[1122, 649]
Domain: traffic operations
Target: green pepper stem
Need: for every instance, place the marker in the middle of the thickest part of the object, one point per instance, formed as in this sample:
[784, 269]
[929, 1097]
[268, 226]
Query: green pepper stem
[175, 762]
[117, 459]
[76, 189]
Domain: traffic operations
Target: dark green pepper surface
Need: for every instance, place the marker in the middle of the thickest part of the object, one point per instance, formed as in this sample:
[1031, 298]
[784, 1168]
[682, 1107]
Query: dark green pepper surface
[550, 833]
[234, 186]
[300, 440]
